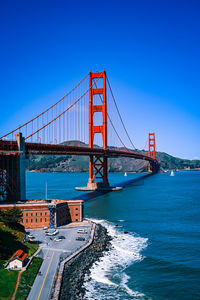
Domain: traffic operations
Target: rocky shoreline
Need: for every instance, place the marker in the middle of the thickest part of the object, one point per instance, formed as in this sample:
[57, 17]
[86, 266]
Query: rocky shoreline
[76, 269]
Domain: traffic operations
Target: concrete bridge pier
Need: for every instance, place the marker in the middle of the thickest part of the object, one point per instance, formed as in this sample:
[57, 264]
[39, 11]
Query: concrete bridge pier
[22, 167]
[9, 178]
[12, 173]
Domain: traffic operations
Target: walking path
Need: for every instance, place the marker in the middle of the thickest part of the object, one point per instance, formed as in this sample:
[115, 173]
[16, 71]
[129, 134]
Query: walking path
[17, 284]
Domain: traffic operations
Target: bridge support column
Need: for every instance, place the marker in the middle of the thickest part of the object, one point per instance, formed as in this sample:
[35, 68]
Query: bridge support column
[9, 179]
[98, 169]
[153, 165]
[152, 149]
[98, 164]
[12, 173]
[22, 166]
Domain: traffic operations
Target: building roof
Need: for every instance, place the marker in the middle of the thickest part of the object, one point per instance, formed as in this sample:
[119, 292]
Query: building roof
[33, 203]
[19, 254]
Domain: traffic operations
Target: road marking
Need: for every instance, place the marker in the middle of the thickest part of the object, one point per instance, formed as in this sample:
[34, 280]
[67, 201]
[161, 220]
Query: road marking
[56, 249]
[45, 276]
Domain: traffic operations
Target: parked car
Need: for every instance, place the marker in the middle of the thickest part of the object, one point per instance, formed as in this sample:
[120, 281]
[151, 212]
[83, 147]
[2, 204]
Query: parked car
[45, 227]
[52, 233]
[30, 236]
[80, 238]
[48, 230]
[61, 237]
[58, 240]
[51, 229]
[81, 231]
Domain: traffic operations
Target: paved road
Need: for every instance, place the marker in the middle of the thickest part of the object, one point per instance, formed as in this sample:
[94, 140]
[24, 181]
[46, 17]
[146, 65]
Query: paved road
[52, 252]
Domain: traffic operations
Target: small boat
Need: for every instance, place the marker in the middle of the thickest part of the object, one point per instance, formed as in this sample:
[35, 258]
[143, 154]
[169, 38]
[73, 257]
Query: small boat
[172, 173]
[125, 174]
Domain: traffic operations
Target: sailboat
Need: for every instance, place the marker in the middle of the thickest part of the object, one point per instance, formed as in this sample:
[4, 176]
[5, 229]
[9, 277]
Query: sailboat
[172, 173]
[125, 174]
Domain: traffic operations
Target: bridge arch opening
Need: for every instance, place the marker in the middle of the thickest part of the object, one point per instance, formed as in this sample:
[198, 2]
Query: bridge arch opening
[98, 118]
[97, 84]
[97, 99]
[98, 140]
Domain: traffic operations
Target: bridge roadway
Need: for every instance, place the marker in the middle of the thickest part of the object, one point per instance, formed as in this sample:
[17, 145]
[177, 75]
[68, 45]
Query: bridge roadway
[53, 149]
[52, 253]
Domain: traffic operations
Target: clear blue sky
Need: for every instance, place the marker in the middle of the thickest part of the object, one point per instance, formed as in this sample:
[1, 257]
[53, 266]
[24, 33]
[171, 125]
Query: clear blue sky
[150, 50]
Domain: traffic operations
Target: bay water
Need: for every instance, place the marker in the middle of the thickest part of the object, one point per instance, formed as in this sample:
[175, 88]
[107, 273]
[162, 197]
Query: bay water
[159, 257]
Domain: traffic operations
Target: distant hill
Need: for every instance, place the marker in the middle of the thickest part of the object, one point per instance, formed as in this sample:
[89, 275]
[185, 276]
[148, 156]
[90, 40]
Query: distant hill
[73, 163]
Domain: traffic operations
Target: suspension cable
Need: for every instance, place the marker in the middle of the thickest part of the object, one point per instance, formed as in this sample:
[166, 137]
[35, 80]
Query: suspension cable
[120, 114]
[45, 110]
[72, 105]
[145, 144]
[112, 123]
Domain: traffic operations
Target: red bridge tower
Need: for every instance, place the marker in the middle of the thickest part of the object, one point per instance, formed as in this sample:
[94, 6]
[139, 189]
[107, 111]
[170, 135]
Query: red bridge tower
[97, 164]
[153, 167]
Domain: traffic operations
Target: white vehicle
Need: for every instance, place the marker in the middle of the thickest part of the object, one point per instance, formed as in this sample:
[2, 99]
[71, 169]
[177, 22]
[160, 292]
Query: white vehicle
[81, 231]
[57, 240]
[45, 228]
[32, 239]
[30, 236]
[52, 233]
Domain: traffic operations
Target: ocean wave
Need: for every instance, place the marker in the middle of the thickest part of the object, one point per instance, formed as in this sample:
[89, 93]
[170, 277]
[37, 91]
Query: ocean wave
[108, 279]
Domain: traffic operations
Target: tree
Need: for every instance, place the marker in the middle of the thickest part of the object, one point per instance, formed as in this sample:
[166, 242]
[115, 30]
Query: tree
[11, 216]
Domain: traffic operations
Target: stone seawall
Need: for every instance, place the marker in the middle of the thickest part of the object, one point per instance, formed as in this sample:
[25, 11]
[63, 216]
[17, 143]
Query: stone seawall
[75, 269]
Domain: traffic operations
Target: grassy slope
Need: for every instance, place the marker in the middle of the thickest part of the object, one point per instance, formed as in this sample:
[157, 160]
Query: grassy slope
[10, 241]
[28, 278]
[171, 162]
[7, 283]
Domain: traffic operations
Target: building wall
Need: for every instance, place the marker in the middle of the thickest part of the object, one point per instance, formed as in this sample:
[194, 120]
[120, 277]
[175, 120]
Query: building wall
[15, 264]
[62, 215]
[36, 214]
[70, 211]
[76, 210]
[35, 218]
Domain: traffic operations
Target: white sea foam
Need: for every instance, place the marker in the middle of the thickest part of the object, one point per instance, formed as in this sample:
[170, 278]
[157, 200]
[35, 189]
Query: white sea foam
[108, 279]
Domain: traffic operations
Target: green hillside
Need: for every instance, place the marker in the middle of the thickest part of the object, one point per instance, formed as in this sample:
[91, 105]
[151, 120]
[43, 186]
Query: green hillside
[72, 163]
[11, 240]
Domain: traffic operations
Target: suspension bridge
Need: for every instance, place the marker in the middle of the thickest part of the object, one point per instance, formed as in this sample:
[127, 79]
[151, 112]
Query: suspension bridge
[86, 121]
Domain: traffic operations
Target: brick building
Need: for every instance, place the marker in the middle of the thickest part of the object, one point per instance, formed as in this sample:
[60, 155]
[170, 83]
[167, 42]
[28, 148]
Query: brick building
[38, 213]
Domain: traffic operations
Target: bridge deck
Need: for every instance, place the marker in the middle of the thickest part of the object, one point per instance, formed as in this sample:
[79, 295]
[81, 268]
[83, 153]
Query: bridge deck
[53, 149]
